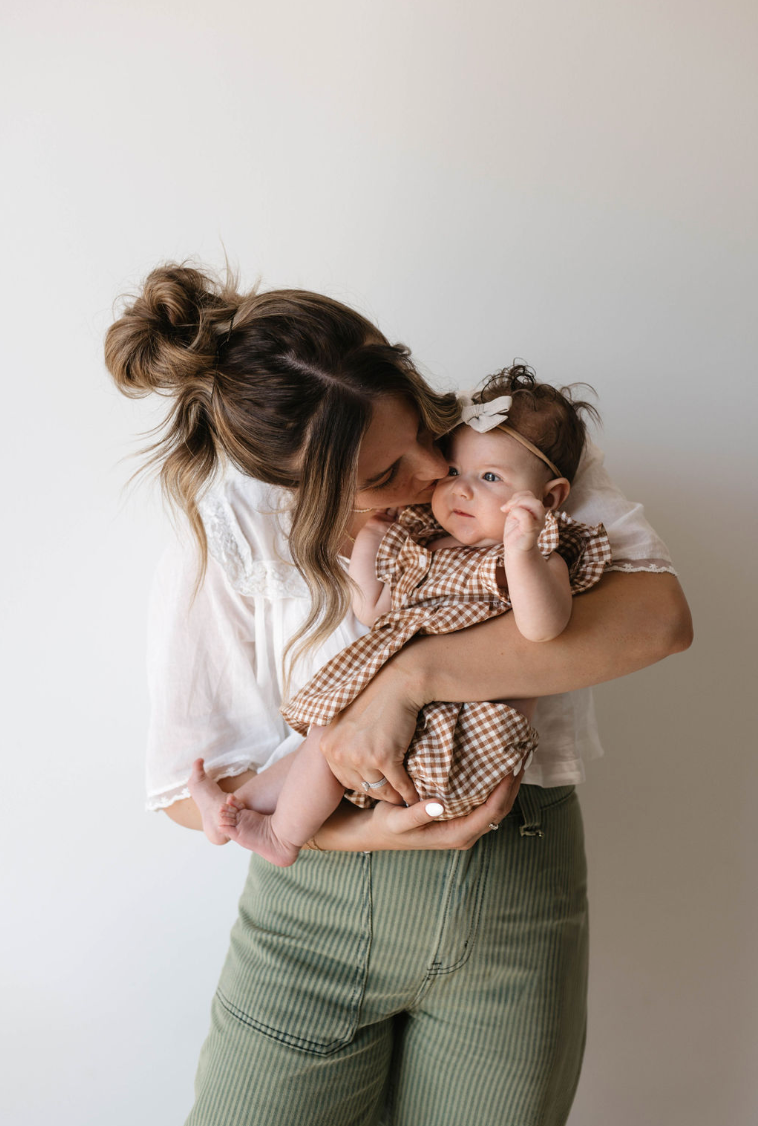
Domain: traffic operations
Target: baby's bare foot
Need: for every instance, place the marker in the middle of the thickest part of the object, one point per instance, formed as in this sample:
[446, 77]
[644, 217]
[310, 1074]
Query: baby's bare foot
[254, 831]
[209, 799]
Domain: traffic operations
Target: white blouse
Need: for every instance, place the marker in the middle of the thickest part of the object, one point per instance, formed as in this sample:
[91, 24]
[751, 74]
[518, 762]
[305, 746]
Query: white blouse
[214, 662]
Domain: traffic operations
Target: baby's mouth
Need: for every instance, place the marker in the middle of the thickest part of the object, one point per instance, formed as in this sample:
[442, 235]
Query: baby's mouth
[460, 512]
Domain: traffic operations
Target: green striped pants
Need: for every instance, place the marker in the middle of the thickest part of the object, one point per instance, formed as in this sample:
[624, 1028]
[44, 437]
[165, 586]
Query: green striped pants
[408, 988]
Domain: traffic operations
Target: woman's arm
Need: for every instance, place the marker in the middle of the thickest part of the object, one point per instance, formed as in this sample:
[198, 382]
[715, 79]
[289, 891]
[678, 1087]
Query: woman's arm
[397, 827]
[350, 829]
[626, 622]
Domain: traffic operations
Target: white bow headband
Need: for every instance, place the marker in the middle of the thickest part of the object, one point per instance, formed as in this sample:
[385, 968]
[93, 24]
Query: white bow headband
[483, 417]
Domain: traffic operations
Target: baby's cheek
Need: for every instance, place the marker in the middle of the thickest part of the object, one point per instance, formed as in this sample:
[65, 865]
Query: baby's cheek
[438, 499]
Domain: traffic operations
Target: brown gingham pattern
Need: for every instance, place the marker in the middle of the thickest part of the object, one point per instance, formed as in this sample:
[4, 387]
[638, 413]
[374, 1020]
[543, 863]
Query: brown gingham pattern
[459, 752]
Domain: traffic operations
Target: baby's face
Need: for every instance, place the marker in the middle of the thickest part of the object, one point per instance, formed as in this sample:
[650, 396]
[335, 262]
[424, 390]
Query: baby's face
[485, 470]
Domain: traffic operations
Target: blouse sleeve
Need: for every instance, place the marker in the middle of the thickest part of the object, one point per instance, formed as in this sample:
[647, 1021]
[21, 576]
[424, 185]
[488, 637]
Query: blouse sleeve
[205, 698]
[595, 499]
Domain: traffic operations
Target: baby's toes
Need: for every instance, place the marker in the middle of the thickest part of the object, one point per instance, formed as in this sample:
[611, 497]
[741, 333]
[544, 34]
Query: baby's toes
[198, 770]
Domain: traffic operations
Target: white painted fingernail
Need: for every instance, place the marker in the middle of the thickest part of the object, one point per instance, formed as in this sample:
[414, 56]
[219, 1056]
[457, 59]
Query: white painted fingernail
[434, 809]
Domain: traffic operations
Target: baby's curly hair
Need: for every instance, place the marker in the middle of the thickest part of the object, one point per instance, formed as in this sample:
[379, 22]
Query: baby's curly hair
[549, 417]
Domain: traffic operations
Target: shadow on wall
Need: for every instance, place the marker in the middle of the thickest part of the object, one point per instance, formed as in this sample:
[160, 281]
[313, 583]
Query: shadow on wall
[668, 815]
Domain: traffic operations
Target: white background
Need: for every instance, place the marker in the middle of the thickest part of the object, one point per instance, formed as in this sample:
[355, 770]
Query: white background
[571, 182]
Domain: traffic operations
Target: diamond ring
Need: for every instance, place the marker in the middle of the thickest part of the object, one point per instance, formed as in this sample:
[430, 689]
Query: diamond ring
[374, 785]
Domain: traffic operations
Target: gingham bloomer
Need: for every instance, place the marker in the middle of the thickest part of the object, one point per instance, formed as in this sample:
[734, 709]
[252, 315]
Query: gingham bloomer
[459, 752]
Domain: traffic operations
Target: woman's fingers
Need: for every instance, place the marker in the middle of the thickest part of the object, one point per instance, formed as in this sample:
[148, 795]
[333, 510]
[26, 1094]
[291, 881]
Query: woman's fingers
[387, 792]
[418, 827]
[399, 781]
[500, 802]
[369, 739]
[352, 778]
[404, 820]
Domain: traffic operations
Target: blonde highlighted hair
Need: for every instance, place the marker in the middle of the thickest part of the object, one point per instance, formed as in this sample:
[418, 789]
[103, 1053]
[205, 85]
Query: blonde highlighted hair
[279, 383]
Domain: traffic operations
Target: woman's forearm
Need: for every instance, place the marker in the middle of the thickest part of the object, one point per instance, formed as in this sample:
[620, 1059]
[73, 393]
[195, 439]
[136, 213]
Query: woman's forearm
[626, 622]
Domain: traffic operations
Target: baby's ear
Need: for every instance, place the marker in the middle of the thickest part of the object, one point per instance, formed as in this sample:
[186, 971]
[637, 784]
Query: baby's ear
[555, 493]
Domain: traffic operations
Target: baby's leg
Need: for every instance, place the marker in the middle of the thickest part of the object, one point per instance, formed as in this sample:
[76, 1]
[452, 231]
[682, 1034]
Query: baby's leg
[309, 794]
[209, 799]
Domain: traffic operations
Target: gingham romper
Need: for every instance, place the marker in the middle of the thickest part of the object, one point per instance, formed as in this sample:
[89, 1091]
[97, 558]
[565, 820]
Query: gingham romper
[459, 752]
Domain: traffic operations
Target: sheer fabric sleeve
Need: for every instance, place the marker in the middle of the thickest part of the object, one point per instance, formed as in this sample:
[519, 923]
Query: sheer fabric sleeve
[205, 698]
[595, 499]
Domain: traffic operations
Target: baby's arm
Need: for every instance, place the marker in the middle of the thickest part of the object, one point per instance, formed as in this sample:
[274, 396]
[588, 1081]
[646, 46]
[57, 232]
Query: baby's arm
[539, 588]
[373, 597]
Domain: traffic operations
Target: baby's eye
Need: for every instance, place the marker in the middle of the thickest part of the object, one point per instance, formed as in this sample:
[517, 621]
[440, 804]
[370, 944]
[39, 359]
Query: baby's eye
[491, 477]
[452, 471]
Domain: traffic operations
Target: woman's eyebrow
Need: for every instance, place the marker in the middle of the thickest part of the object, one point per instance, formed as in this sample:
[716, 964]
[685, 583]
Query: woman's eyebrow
[378, 476]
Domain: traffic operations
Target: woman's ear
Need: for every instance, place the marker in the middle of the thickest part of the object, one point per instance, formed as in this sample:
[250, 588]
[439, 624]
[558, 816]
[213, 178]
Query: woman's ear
[555, 493]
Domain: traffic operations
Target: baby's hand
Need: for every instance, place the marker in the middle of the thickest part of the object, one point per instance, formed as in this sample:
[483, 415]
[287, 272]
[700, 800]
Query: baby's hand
[524, 520]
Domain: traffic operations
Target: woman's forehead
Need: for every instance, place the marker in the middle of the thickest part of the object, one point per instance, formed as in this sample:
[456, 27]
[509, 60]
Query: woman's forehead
[390, 434]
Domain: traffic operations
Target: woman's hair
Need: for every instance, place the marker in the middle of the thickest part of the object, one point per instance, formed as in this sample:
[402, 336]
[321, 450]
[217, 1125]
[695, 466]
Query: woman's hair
[281, 384]
[549, 417]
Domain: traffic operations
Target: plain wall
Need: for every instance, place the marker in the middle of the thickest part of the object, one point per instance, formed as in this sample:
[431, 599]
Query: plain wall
[571, 183]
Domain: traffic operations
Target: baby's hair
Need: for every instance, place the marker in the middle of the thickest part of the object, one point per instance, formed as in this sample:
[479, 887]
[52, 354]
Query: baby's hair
[549, 417]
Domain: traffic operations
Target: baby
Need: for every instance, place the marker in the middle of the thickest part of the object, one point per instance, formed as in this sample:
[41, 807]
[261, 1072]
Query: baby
[494, 540]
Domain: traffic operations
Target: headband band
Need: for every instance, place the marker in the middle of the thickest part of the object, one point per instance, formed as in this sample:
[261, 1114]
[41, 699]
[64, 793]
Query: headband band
[529, 446]
[492, 415]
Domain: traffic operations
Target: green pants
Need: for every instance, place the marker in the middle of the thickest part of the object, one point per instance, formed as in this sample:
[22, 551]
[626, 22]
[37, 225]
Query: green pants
[408, 988]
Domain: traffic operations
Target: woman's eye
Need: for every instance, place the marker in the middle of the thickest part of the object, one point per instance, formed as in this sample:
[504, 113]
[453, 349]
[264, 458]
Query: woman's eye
[491, 477]
[387, 480]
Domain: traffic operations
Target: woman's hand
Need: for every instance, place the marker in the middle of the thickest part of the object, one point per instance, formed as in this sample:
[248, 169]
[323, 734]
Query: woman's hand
[390, 827]
[369, 739]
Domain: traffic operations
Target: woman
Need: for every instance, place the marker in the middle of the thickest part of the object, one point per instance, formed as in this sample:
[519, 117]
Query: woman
[403, 970]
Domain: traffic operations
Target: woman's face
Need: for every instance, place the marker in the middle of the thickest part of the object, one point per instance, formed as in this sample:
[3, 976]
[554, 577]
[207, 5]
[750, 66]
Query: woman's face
[398, 462]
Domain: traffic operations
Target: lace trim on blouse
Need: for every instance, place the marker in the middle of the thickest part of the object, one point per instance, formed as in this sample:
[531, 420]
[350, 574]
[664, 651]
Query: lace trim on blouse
[629, 566]
[270, 578]
[180, 792]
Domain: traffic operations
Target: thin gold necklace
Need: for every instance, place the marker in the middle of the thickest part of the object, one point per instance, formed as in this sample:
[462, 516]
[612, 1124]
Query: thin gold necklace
[372, 509]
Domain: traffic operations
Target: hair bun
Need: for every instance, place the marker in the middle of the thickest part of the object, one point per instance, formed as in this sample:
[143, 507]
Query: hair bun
[166, 335]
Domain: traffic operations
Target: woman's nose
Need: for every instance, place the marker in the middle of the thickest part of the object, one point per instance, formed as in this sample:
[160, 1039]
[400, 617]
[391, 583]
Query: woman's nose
[431, 465]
